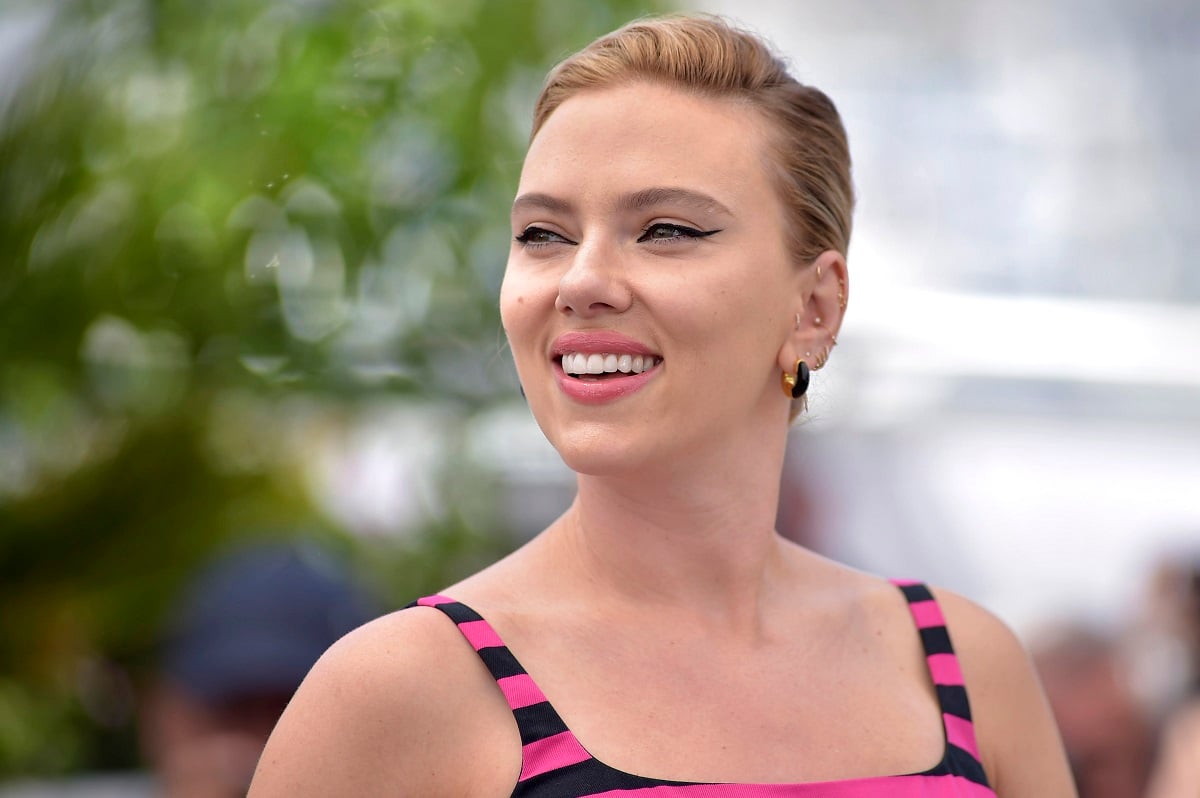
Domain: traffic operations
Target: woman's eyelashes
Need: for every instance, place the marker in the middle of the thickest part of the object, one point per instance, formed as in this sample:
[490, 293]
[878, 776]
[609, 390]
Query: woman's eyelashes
[658, 233]
[534, 237]
[664, 231]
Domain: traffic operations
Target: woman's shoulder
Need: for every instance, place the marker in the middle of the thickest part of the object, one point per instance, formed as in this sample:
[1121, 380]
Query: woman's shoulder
[392, 703]
[992, 656]
[1018, 739]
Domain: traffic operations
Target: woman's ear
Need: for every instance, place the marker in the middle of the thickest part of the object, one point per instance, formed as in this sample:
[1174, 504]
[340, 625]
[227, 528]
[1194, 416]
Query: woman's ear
[822, 295]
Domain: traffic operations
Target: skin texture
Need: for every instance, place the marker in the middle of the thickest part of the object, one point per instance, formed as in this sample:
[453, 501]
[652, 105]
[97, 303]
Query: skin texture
[666, 576]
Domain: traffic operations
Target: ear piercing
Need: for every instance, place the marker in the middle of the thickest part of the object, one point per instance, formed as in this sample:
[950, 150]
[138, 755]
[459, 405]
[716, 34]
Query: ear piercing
[796, 385]
[823, 357]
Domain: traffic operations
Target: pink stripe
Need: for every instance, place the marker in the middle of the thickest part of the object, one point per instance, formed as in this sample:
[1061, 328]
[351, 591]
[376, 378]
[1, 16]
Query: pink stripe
[891, 786]
[944, 669]
[520, 691]
[961, 733]
[905, 582]
[542, 756]
[480, 634]
[927, 614]
[433, 601]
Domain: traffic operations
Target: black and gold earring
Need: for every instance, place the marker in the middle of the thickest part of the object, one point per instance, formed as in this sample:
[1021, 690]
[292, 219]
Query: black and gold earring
[794, 385]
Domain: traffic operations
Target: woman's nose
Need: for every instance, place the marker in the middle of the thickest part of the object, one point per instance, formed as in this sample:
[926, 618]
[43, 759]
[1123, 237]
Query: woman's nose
[594, 282]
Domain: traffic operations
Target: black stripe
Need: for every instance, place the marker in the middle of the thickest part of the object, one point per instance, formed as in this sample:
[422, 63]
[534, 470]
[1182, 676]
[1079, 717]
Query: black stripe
[963, 763]
[915, 593]
[936, 640]
[953, 700]
[537, 722]
[588, 777]
[459, 613]
[500, 661]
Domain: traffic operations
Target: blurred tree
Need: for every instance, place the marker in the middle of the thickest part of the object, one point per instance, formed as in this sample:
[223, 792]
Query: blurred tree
[223, 225]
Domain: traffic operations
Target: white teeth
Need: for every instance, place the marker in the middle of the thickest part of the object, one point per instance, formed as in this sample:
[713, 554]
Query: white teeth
[579, 363]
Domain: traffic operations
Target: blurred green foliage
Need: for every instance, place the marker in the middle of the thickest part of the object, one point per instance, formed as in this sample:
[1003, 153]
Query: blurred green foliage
[229, 229]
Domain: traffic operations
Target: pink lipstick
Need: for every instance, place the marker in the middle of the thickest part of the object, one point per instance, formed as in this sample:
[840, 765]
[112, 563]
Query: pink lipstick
[595, 367]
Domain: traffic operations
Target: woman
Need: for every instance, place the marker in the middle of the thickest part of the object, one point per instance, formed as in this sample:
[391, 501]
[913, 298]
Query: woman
[677, 270]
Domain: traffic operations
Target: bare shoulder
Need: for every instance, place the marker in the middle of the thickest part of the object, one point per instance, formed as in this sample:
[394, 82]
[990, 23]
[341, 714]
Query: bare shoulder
[387, 709]
[1018, 740]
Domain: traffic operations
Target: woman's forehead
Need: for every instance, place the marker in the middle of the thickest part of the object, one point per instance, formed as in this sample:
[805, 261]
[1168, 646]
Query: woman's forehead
[641, 136]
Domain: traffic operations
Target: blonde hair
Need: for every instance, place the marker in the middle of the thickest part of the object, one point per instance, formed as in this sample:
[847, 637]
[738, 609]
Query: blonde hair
[809, 155]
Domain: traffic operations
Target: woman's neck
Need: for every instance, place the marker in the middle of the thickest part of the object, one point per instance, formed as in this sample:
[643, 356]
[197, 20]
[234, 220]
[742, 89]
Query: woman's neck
[697, 533]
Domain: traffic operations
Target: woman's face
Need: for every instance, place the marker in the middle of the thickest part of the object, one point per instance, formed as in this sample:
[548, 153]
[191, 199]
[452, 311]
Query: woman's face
[649, 245]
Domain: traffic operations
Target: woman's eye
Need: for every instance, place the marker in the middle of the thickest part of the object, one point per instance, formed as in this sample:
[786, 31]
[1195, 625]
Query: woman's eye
[538, 237]
[670, 232]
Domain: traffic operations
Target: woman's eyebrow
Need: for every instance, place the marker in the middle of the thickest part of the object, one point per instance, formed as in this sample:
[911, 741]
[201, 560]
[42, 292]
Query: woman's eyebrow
[635, 201]
[652, 197]
[543, 202]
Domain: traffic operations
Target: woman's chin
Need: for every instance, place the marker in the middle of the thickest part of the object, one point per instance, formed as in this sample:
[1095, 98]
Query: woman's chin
[596, 457]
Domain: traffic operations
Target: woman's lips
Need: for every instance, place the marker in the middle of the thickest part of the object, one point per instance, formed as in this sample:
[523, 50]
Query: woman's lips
[598, 342]
[595, 389]
[597, 366]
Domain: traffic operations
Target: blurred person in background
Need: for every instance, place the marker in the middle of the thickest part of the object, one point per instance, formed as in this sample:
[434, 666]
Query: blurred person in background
[680, 233]
[239, 642]
[1177, 769]
[1106, 729]
[1175, 616]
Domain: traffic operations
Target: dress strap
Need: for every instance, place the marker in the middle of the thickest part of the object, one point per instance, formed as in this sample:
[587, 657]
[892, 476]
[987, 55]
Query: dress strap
[547, 743]
[943, 666]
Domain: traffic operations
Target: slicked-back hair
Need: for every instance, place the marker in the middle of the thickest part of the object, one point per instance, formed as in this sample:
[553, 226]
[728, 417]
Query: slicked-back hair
[808, 156]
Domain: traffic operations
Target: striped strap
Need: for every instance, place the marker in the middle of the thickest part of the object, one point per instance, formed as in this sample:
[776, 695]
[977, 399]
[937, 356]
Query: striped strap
[547, 743]
[943, 665]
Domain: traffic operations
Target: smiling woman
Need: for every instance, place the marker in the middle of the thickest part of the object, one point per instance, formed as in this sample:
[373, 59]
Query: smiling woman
[680, 246]
[678, 255]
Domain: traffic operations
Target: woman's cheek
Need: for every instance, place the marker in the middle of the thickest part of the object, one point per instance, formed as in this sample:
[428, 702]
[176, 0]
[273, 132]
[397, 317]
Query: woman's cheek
[524, 300]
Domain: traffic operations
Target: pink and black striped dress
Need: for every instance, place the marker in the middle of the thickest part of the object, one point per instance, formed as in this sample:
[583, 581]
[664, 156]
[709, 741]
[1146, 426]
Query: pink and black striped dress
[555, 765]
